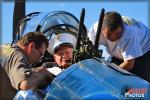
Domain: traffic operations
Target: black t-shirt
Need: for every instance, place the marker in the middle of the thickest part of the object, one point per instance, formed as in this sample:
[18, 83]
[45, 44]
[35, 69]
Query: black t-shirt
[16, 66]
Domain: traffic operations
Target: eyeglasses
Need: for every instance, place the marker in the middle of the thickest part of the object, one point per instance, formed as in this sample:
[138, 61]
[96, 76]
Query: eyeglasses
[40, 52]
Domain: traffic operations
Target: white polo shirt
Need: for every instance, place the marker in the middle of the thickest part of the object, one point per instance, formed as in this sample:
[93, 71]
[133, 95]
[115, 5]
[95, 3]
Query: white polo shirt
[134, 42]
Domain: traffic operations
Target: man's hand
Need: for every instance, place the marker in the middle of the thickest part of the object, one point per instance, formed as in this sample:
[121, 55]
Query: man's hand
[38, 69]
[37, 78]
[127, 65]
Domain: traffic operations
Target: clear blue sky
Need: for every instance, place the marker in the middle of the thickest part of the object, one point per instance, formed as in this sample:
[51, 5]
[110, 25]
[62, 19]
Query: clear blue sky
[137, 9]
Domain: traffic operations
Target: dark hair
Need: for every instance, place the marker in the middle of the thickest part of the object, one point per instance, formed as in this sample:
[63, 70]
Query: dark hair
[112, 20]
[37, 37]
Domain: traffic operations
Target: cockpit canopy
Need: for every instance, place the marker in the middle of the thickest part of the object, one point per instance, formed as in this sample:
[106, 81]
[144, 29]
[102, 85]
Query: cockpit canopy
[57, 25]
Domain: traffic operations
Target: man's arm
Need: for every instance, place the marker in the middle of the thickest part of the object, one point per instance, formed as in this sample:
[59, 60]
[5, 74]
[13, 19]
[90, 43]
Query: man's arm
[127, 65]
[35, 79]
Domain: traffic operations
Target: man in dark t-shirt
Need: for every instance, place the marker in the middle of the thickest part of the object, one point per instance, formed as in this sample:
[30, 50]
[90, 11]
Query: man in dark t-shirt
[15, 65]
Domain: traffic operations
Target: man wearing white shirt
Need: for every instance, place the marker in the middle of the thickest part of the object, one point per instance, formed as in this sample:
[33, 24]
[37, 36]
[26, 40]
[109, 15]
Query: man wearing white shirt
[127, 40]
